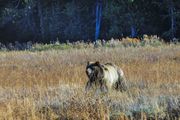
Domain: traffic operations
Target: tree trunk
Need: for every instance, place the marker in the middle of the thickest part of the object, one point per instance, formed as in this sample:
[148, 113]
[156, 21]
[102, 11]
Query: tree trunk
[133, 31]
[98, 18]
[173, 21]
[41, 22]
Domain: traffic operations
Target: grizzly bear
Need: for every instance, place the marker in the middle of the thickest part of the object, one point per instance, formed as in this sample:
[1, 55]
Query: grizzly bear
[105, 77]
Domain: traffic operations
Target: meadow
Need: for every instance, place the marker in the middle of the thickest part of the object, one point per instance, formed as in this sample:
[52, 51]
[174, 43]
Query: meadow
[49, 85]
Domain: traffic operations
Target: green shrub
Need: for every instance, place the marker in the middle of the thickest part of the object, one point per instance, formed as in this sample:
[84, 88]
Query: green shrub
[43, 47]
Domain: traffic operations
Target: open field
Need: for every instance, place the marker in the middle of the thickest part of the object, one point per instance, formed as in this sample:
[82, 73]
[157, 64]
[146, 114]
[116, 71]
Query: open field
[50, 84]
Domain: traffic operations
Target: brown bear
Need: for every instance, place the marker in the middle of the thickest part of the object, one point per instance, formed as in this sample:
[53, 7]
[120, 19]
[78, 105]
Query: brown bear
[105, 77]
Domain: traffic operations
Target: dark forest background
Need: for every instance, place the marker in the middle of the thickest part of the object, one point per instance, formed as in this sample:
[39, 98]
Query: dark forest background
[51, 20]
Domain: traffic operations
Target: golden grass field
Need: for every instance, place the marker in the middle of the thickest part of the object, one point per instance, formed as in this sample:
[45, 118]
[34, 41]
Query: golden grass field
[49, 85]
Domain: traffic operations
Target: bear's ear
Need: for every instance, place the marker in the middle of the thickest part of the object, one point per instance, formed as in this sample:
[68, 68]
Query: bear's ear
[97, 63]
[88, 63]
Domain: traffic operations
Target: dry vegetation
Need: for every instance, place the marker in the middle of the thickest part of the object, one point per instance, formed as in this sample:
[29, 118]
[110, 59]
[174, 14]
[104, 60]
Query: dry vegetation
[50, 84]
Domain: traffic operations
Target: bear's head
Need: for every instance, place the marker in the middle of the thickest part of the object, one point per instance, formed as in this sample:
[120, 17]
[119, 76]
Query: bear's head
[94, 71]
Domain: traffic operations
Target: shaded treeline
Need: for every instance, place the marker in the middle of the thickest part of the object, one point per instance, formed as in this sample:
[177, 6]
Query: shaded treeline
[51, 20]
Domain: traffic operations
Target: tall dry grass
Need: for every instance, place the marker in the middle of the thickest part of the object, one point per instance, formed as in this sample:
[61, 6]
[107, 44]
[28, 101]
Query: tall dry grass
[50, 84]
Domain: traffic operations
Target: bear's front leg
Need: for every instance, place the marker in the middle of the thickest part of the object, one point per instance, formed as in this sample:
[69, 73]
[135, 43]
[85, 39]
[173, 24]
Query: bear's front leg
[103, 86]
[88, 86]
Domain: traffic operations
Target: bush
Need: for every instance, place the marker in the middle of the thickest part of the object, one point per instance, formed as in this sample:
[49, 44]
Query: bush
[152, 40]
[43, 47]
[128, 42]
